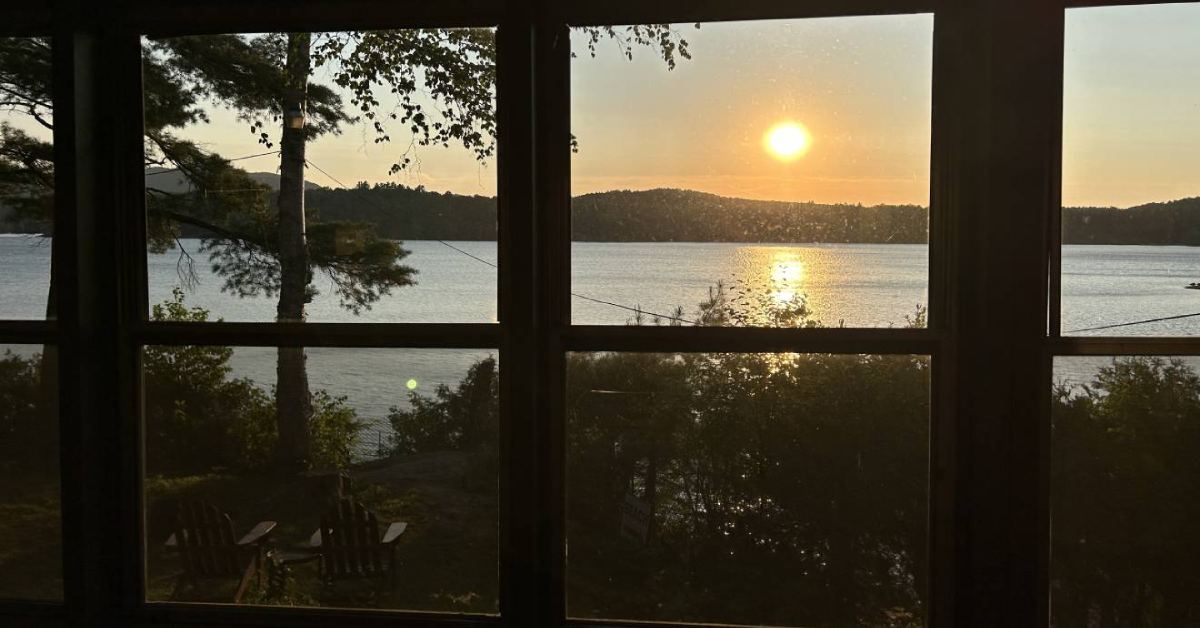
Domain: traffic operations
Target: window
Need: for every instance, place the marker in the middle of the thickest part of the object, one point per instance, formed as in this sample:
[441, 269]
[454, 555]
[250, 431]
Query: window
[27, 183]
[745, 489]
[782, 161]
[1128, 229]
[336, 178]
[31, 542]
[389, 168]
[729, 177]
[480, 313]
[1124, 412]
[411, 434]
[1124, 432]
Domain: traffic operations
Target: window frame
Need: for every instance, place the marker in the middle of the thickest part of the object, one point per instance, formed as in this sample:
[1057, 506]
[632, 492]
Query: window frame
[564, 337]
[158, 20]
[994, 234]
[1058, 344]
[56, 332]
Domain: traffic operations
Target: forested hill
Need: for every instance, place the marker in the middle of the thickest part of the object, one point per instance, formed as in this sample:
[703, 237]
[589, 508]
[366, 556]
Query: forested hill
[650, 216]
[667, 215]
[403, 213]
[670, 215]
[1169, 223]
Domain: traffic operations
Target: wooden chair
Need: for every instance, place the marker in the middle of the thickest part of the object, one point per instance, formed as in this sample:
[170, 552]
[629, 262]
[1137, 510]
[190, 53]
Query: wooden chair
[351, 546]
[204, 540]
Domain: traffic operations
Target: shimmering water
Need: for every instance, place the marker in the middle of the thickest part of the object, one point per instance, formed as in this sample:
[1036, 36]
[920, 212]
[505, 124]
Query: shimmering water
[859, 285]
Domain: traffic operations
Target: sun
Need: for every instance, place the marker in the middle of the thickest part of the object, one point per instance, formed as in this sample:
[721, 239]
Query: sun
[787, 141]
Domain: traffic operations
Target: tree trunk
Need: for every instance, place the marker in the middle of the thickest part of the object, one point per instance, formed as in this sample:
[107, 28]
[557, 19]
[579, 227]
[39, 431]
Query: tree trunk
[47, 432]
[293, 402]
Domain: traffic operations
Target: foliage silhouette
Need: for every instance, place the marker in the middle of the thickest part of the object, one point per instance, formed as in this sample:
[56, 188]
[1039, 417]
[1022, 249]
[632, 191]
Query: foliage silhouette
[198, 417]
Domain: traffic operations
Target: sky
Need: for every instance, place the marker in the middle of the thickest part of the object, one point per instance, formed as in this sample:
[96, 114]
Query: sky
[860, 86]
[1131, 105]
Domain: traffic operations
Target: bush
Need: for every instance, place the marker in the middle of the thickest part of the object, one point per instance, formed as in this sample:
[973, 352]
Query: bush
[463, 419]
[1124, 482]
[26, 419]
[453, 419]
[198, 417]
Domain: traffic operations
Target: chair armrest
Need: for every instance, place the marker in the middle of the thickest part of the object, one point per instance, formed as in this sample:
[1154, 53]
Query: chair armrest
[314, 541]
[258, 534]
[393, 532]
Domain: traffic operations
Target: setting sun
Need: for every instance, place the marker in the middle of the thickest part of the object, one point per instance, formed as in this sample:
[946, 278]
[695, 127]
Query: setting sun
[787, 141]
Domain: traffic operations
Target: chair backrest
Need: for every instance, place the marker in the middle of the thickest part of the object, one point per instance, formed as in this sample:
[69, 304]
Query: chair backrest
[350, 542]
[204, 536]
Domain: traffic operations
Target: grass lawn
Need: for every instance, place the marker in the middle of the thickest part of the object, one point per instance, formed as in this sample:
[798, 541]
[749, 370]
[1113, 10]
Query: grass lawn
[448, 554]
[30, 537]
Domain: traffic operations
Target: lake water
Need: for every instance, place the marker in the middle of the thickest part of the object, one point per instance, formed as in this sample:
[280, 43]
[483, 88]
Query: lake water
[858, 285]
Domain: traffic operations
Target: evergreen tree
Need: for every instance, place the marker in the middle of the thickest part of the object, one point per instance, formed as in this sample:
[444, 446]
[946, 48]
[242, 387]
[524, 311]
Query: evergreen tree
[267, 81]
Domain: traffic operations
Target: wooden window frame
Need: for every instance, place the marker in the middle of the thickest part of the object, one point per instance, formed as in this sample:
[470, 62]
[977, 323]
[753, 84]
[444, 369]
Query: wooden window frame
[994, 205]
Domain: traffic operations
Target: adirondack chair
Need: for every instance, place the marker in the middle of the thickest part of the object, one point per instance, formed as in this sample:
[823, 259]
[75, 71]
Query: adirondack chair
[204, 540]
[351, 545]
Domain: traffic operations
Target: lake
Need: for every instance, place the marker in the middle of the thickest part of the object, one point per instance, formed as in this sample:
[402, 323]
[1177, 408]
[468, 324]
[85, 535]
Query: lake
[863, 285]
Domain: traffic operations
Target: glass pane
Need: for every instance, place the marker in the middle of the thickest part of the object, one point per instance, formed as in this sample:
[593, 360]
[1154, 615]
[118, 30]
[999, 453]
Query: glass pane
[748, 488]
[30, 515]
[407, 436]
[1125, 476]
[1131, 135]
[333, 177]
[26, 178]
[784, 161]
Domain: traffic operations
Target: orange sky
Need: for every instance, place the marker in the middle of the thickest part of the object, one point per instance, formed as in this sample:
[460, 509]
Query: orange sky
[861, 86]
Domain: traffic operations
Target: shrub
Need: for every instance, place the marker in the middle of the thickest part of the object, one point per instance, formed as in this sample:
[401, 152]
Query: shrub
[198, 417]
[464, 417]
[23, 409]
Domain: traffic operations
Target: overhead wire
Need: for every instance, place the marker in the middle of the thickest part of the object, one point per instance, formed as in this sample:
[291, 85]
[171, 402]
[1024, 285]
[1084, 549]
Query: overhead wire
[639, 310]
[1132, 323]
[170, 170]
[636, 310]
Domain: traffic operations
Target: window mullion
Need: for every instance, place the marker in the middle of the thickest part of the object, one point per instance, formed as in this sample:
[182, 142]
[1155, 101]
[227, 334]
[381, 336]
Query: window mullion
[552, 64]
[103, 532]
[1007, 58]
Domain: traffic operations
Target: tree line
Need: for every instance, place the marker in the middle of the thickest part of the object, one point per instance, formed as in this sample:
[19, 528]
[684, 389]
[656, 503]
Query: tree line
[399, 212]
[774, 497]
[777, 499]
[289, 89]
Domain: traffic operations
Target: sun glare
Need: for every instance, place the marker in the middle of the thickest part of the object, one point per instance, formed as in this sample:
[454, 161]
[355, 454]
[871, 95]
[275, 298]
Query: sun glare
[787, 141]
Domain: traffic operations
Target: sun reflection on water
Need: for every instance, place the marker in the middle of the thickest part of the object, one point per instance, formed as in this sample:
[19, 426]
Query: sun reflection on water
[787, 276]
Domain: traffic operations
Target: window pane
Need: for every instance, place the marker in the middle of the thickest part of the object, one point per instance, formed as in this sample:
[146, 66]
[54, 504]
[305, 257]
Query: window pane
[408, 434]
[1125, 476]
[1131, 136]
[748, 488]
[30, 516]
[26, 178]
[786, 161]
[356, 184]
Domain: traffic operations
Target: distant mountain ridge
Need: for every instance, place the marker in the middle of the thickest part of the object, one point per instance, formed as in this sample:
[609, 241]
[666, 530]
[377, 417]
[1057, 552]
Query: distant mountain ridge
[172, 180]
[674, 215]
[1170, 223]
